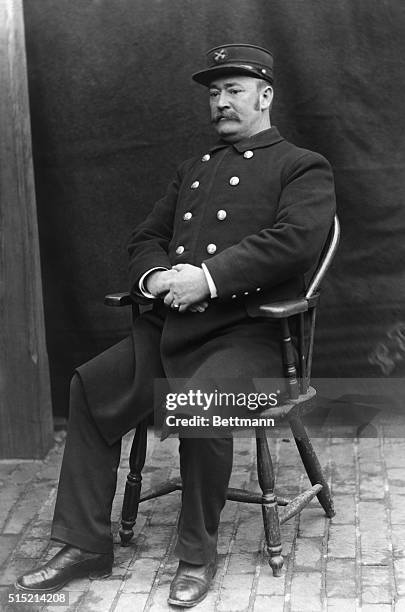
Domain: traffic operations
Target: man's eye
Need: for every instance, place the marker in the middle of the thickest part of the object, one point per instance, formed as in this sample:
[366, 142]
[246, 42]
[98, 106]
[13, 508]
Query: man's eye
[234, 91]
[213, 94]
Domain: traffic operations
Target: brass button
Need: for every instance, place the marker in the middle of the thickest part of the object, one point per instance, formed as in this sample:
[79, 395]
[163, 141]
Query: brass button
[187, 216]
[258, 289]
[234, 180]
[246, 293]
[248, 154]
[234, 296]
[180, 250]
[206, 157]
[195, 185]
[221, 215]
[211, 248]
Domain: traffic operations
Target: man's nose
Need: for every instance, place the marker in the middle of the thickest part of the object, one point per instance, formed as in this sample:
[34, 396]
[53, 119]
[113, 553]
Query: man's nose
[223, 100]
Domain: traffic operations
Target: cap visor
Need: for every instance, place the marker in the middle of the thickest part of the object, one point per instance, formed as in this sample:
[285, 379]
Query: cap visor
[205, 77]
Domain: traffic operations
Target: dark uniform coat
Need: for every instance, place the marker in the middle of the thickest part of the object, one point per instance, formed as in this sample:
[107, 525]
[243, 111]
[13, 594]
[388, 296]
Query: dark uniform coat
[257, 213]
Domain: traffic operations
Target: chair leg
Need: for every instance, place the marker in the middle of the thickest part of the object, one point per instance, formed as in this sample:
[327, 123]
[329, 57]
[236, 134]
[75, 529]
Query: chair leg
[133, 484]
[311, 464]
[271, 521]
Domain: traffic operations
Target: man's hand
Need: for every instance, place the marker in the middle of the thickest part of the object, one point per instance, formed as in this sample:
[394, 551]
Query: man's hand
[199, 307]
[188, 287]
[158, 283]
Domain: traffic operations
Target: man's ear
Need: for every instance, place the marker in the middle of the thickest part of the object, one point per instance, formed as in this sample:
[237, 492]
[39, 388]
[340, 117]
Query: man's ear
[266, 97]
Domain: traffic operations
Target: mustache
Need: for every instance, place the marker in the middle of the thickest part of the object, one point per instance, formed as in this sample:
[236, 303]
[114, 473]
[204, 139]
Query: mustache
[218, 116]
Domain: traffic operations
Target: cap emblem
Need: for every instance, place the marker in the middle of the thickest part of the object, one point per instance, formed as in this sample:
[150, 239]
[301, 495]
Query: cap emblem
[219, 56]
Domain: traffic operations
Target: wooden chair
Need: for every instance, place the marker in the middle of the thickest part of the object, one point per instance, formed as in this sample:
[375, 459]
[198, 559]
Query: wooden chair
[301, 396]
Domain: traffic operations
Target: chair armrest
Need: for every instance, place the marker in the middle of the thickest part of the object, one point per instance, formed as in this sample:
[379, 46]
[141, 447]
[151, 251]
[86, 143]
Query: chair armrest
[288, 308]
[118, 299]
[280, 310]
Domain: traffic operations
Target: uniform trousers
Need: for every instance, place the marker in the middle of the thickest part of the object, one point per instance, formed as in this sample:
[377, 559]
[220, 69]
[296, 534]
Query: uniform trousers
[88, 478]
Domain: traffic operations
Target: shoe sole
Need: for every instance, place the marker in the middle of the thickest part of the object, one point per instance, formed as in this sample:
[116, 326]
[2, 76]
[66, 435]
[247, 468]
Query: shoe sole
[186, 604]
[93, 575]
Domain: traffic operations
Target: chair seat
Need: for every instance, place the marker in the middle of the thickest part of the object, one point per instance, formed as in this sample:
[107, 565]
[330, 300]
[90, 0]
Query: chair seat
[301, 405]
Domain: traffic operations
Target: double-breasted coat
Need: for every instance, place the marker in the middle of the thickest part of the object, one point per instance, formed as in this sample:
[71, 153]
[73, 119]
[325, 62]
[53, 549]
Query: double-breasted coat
[257, 213]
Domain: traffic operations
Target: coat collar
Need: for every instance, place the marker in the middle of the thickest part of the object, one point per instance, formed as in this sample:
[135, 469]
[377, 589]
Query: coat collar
[266, 138]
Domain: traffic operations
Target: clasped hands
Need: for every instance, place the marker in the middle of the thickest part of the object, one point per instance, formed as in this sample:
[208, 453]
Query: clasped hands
[184, 287]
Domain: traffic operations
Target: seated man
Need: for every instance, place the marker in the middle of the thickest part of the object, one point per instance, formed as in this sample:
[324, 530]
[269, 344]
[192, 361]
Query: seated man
[240, 225]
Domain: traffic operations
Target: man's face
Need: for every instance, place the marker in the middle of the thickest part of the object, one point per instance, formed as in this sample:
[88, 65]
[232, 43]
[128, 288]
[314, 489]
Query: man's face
[239, 106]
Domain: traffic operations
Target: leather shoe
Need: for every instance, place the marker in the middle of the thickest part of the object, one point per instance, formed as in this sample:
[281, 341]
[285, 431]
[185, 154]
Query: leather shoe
[191, 583]
[67, 564]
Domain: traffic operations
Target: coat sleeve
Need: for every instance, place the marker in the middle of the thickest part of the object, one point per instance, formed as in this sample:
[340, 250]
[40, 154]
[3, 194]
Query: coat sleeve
[149, 243]
[292, 245]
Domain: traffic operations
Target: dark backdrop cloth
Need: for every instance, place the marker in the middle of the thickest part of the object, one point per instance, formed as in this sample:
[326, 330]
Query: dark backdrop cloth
[114, 111]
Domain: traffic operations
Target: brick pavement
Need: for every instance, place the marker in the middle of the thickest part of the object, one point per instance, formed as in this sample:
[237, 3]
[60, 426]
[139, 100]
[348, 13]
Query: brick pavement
[354, 562]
